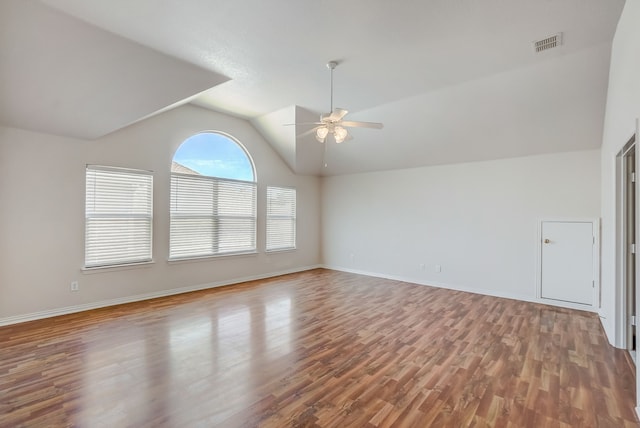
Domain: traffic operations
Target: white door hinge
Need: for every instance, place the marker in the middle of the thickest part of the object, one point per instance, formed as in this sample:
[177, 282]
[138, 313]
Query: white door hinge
[632, 320]
[633, 248]
[633, 177]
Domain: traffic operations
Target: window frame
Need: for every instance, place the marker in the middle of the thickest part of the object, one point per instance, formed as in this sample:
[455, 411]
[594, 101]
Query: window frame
[110, 210]
[215, 217]
[293, 217]
[176, 253]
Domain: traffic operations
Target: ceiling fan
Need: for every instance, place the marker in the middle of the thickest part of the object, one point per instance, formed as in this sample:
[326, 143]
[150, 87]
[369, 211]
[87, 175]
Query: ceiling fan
[332, 123]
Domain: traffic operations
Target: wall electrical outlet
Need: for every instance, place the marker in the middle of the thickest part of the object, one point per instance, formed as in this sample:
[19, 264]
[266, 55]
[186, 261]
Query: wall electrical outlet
[438, 268]
[422, 266]
[74, 286]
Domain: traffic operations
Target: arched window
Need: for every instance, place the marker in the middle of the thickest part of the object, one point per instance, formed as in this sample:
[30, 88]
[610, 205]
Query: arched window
[213, 198]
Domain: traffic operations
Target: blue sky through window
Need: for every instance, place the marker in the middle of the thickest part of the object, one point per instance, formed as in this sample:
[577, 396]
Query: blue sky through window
[215, 155]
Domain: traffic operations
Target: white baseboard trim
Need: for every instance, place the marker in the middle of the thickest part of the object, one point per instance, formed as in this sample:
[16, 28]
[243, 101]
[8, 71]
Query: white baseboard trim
[482, 291]
[638, 413]
[173, 291]
[136, 298]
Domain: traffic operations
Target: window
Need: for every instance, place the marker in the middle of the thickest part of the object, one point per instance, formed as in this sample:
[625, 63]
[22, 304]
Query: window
[213, 198]
[281, 218]
[118, 216]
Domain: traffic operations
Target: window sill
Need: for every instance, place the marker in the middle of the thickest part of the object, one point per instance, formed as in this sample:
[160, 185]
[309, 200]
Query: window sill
[210, 258]
[112, 268]
[281, 250]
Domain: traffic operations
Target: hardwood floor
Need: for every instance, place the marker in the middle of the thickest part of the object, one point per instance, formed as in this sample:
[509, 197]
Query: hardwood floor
[316, 349]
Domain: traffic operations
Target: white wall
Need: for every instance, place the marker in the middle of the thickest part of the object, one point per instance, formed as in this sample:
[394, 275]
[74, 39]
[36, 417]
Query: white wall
[477, 220]
[42, 215]
[623, 107]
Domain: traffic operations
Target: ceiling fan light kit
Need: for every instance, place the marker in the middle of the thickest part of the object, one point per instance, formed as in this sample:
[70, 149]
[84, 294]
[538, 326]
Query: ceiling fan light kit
[321, 134]
[331, 124]
[339, 133]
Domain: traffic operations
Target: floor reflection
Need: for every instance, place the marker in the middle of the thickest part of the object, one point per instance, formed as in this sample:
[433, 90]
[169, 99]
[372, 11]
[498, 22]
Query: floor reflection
[114, 369]
[234, 337]
[190, 349]
[278, 327]
[162, 370]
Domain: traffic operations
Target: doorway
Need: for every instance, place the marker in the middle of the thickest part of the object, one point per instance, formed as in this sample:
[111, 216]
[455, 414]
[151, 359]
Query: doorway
[627, 209]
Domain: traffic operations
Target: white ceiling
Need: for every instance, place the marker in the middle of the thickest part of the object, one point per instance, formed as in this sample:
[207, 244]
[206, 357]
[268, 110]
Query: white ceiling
[63, 76]
[452, 80]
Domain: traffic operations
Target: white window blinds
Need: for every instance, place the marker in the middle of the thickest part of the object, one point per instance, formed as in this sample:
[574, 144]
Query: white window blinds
[118, 216]
[211, 216]
[281, 218]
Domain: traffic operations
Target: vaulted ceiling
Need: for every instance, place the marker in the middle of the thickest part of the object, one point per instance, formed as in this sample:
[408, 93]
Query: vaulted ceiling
[452, 81]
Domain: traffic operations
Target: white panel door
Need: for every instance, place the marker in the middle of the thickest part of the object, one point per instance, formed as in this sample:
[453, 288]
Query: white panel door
[567, 261]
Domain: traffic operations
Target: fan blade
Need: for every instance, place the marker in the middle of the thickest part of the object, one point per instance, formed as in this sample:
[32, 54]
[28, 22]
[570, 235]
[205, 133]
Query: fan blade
[302, 123]
[337, 114]
[373, 125]
[311, 131]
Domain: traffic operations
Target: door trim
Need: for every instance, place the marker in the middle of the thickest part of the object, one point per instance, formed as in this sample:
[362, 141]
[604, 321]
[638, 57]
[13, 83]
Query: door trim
[620, 302]
[596, 301]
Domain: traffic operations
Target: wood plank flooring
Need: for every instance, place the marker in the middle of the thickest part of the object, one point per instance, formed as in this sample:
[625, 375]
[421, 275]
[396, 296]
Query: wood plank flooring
[316, 349]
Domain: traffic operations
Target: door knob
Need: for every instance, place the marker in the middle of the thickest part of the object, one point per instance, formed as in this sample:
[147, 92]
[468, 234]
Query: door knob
[547, 240]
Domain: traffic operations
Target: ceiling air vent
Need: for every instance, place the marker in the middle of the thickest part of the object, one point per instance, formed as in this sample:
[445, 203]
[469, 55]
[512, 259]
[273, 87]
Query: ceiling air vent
[548, 43]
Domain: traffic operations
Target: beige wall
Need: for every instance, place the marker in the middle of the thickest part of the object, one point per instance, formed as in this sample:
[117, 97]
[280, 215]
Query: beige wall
[42, 215]
[622, 113]
[623, 109]
[478, 221]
